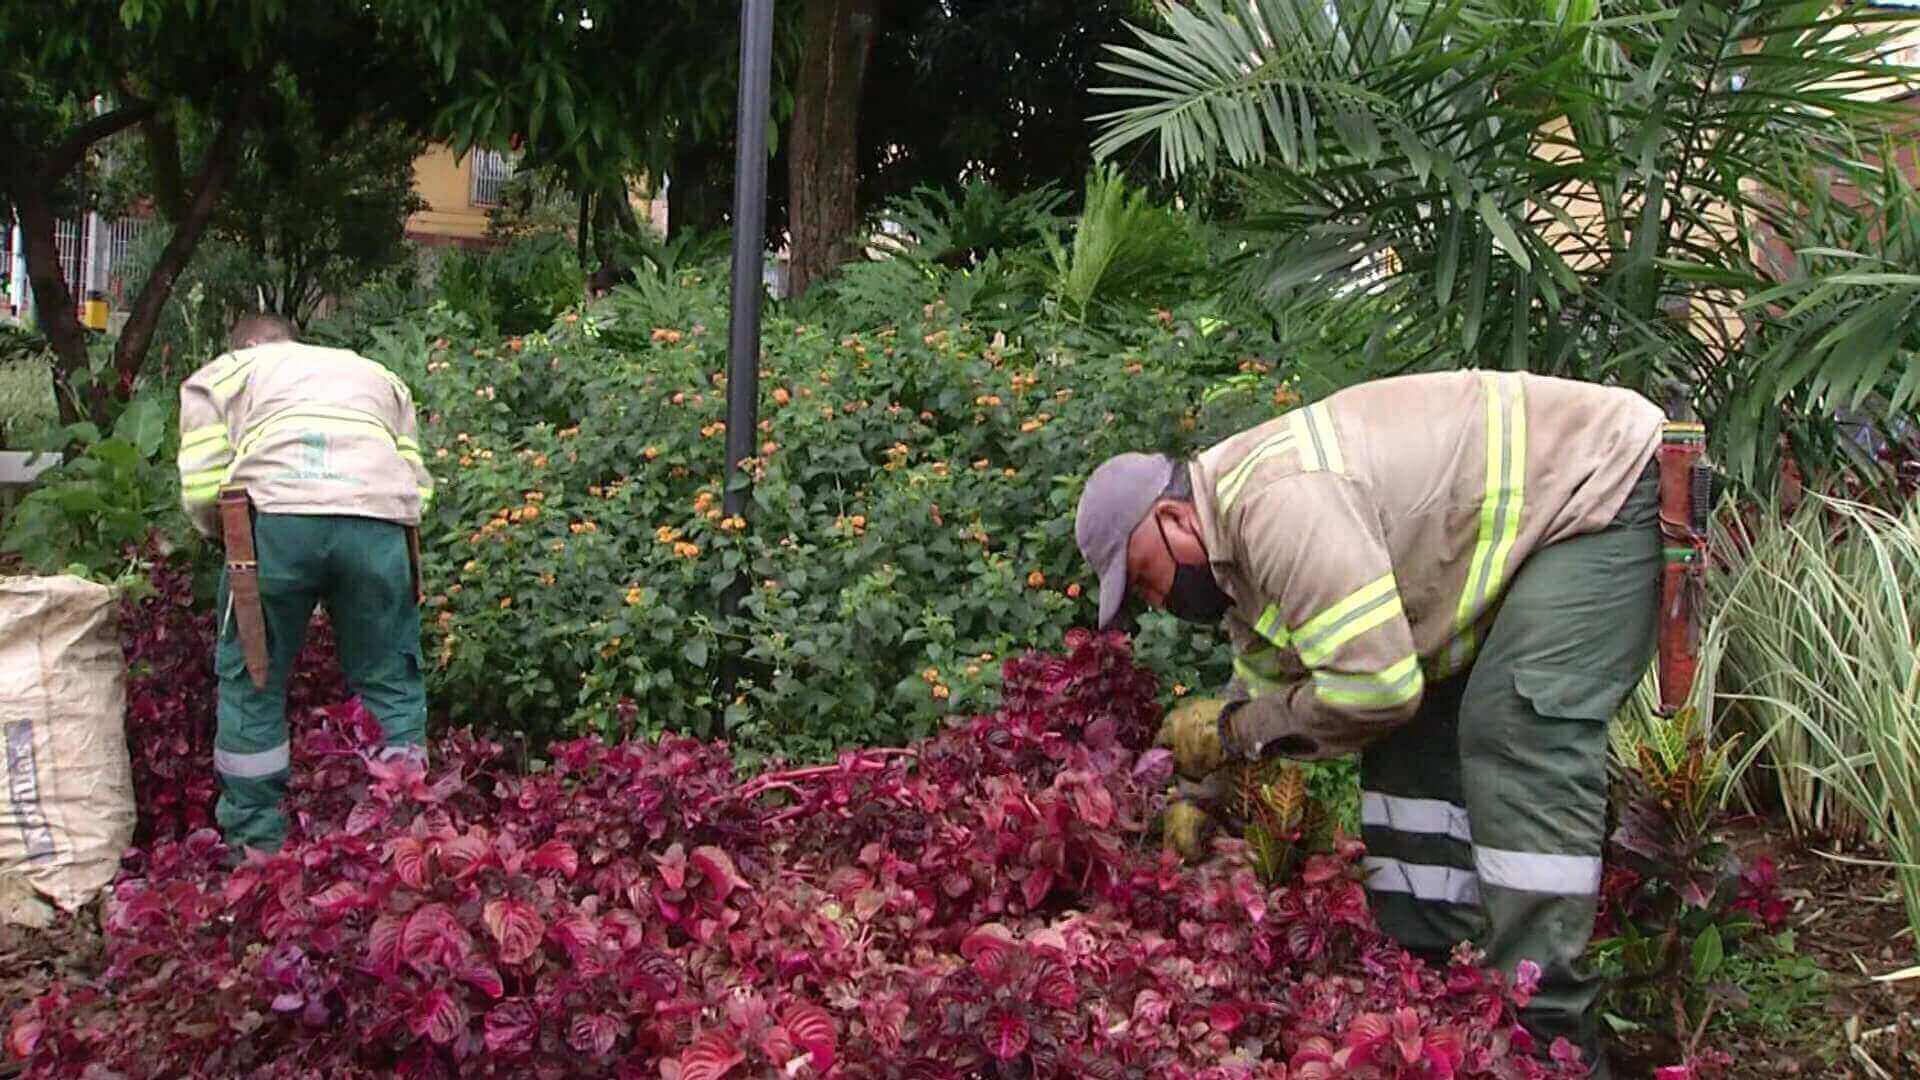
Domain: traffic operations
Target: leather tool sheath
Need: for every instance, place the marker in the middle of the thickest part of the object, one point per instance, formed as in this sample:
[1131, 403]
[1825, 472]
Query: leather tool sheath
[413, 560]
[243, 580]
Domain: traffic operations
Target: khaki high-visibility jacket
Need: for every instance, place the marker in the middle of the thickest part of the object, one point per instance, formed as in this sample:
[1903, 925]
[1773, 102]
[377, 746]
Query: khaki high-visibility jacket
[1366, 540]
[307, 430]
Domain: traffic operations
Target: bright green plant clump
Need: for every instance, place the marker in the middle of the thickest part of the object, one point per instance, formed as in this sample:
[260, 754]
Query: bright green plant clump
[84, 516]
[27, 409]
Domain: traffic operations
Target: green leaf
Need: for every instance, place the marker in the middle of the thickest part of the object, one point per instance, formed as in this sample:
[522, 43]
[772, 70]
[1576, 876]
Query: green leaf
[143, 425]
[695, 651]
[1708, 954]
[1503, 232]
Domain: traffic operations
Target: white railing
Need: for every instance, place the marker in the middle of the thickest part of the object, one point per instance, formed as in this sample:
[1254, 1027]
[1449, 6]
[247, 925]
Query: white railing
[70, 237]
[74, 240]
[491, 171]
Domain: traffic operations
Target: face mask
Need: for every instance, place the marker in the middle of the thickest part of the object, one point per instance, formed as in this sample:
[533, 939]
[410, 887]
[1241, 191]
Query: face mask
[1194, 596]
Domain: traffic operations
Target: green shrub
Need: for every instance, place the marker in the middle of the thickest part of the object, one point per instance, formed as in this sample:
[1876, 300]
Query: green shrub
[85, 515]
[27, 409]
[515, 289]
[1816, 647]
[911, 520]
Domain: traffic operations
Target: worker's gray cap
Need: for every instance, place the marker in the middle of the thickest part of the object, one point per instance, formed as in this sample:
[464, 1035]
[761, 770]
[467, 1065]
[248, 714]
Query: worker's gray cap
[1115, 501]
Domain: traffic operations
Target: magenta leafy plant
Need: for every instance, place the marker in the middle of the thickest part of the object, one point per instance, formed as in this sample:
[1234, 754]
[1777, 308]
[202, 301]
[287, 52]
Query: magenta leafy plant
[986, 902]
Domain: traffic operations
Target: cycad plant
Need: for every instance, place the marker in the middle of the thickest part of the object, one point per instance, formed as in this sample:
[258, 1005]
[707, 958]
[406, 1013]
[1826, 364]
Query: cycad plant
[1560, 186]
[1123, 248]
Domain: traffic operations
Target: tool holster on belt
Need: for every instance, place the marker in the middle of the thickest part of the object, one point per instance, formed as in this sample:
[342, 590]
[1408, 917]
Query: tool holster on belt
[243, 580]
[413, 563]
[1686, 504]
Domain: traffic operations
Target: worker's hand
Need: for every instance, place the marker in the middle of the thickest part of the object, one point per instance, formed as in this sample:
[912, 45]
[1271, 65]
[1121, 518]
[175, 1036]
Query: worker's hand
[1192, 732]
[1184, 828]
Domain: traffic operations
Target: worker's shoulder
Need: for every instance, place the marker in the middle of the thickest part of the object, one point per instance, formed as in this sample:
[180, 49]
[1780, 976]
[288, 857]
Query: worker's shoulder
[336, 363]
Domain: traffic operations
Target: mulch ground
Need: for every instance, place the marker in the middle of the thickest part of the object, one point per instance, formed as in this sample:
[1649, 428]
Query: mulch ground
[1847, 917]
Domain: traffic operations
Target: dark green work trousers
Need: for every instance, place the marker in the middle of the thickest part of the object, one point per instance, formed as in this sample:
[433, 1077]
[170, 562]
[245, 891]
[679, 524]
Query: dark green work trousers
[1485, 816]
[359, 568]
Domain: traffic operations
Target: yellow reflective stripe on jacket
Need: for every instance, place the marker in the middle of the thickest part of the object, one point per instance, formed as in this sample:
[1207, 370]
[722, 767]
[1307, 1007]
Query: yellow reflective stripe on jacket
[203, 485]
[1271, 627]
[1455, 655]
[1365, 608]
[230, 380]
[1230, 485]
[1313, 433]
[1398, 684]
[407, 445]
[317, 418]
[207, 456]
[1502, 499]
[205, 435]
[1258, 682]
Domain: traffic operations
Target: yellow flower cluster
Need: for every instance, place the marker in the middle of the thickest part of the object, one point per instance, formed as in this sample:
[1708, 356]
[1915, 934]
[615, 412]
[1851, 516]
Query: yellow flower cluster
[931, 677]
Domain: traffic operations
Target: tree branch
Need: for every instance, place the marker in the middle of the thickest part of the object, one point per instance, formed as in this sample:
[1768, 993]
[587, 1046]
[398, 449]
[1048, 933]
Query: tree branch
[143, 317]
[62, 158]
[52, 300]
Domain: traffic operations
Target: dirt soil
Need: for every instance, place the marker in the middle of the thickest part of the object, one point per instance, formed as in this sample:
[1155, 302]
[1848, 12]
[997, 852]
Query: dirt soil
[1850, 920]
[1847, 917]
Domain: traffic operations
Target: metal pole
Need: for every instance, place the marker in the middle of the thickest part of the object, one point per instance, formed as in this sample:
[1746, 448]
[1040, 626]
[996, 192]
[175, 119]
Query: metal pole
[749, 245]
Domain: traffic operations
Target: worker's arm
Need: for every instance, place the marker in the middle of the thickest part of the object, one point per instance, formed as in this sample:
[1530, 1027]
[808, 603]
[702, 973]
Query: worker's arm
[206, 446]
[406, 432]
[1312, 544]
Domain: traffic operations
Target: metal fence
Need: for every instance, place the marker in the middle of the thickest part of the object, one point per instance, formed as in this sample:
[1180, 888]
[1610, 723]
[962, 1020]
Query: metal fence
[79, 248]
[491, 171]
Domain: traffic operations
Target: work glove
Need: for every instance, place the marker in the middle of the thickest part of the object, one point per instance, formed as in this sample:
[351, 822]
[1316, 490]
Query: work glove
[1184, 828]
[1192, 732]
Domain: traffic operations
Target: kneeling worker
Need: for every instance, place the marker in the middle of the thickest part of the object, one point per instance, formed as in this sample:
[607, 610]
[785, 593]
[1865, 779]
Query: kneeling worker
[1453, 574]
[305, 462]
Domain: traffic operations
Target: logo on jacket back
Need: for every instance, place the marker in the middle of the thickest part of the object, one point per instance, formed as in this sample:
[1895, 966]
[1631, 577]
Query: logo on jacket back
[316, 460]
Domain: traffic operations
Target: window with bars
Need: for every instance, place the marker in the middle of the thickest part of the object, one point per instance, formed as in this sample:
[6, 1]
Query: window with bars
[491, 171]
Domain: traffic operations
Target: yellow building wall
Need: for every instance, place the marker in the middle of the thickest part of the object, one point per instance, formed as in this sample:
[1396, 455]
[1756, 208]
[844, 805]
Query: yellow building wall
[446, 184]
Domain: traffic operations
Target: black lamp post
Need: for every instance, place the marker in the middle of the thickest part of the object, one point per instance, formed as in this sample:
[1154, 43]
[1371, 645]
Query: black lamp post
[743, 330]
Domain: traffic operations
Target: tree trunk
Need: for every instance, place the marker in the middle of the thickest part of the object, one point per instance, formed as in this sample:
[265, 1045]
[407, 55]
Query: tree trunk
[53, 302]
[143, 317]
[823, 170]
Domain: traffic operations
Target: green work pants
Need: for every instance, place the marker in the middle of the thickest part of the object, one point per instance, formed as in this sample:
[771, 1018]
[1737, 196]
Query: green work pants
[1485, 816]
[360, 569]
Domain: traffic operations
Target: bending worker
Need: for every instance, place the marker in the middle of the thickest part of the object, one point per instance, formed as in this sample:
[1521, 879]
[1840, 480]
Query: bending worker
[304, 461]
[1453, 574]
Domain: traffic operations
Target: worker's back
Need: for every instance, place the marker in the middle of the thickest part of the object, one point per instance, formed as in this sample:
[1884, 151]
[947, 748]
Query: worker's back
[1462, 475]
[306, 430]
